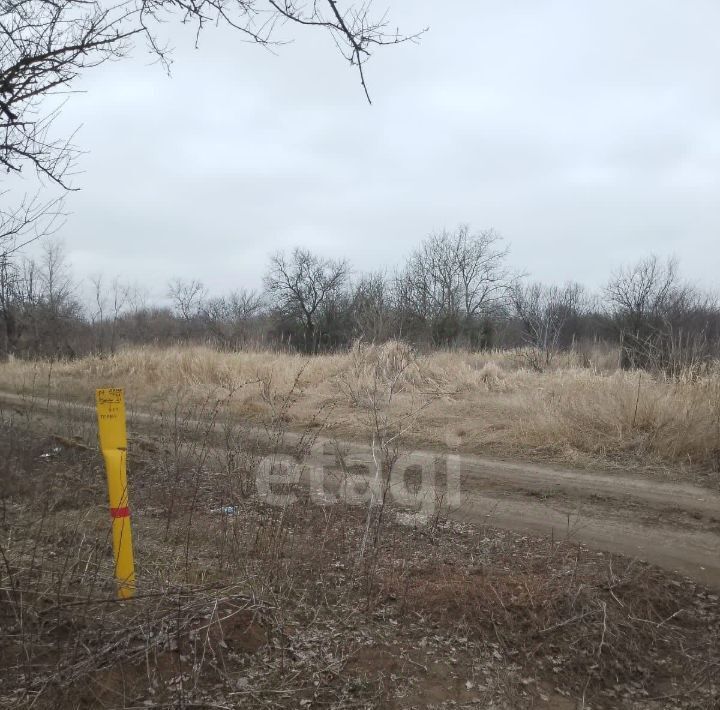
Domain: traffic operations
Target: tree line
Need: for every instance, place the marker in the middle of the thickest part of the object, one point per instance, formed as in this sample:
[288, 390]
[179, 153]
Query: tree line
[455, 290]
[45, 48]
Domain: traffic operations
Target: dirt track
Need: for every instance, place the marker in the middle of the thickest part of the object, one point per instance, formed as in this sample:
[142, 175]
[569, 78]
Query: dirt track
[673, 525]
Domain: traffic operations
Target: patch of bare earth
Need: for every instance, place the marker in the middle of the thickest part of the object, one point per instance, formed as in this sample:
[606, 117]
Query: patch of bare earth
[243, 604]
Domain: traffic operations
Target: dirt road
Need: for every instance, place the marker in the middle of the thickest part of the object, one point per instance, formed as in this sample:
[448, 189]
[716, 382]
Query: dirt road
[673, 525]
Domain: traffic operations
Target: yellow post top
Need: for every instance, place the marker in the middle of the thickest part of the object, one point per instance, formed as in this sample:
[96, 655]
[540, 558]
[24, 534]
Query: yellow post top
[111, 418]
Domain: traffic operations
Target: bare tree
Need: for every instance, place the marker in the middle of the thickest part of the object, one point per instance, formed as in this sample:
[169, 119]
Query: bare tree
[27, 222]
[661, 320]
[187, 297]
[453, 278]
[643, 292]
[638, 297]
[544, 312]
[228, 317]
[372, 308]
[11, 306]
[112, 300]
[244, 304]
[57, 282]
[137, 299]
[50, 305]
[301, 284]
[38, 303]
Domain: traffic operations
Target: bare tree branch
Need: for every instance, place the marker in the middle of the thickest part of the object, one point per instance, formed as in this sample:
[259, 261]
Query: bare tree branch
[28, 221]
[46, 44]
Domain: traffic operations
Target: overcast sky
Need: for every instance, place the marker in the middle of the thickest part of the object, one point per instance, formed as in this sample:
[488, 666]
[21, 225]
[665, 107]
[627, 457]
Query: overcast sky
[586, 133]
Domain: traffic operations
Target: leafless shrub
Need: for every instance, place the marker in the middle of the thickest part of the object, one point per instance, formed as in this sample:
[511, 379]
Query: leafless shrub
[377, 374]
[544, 312]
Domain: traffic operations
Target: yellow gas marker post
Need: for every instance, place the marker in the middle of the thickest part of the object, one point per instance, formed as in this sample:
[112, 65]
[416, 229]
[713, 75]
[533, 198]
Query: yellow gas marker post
[110, 405]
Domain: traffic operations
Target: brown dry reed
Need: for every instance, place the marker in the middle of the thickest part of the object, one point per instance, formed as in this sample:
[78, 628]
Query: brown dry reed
[583, 411]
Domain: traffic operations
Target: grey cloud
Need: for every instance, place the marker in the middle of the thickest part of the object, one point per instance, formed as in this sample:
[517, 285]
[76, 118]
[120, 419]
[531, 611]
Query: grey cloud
[586, 133]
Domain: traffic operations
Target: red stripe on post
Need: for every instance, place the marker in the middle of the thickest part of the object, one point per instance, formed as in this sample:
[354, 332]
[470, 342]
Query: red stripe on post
[120, 512]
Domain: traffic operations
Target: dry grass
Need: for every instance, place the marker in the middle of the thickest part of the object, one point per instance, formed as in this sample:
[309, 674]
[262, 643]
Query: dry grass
[583, 411]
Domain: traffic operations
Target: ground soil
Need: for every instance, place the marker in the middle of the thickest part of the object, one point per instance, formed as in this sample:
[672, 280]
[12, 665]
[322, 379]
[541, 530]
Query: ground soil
[545, 587]
[672, 524]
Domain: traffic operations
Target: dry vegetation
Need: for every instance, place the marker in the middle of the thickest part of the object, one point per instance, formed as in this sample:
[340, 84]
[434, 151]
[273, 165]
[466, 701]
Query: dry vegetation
[582, 411]
[242, 604]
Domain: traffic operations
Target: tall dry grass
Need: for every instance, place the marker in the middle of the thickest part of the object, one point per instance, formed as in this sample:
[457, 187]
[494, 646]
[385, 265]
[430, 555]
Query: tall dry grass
[583, 411]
